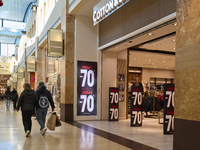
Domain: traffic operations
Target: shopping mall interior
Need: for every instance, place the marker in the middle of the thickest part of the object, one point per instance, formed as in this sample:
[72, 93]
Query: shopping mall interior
[112, 68]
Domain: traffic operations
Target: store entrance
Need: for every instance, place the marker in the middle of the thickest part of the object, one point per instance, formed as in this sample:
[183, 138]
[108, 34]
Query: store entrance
[150, 59]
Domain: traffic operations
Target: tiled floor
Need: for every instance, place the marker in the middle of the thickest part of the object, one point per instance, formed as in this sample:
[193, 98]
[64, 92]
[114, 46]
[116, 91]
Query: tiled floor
[76, 136]
[151, 133]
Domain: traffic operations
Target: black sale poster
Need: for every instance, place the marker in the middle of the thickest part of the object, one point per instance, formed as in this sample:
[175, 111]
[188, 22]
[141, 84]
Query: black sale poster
[87, 88]
[168, 98]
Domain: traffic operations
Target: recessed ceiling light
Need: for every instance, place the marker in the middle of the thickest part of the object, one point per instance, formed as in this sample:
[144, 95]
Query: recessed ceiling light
[164, 61]
[155, 46]
[134, 58]
[150, 34]
[173, 40]
[147, 55]
[163, 57]
[175, 24]
[149, 60]
[173, 48]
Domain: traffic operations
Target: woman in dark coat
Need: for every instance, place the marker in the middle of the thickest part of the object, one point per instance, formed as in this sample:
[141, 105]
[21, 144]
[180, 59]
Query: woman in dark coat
[27, 102]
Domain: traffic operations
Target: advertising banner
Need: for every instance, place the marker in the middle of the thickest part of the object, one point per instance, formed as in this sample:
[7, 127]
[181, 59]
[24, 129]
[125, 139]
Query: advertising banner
[136, 106]
[168, 98]
[86, 88]
[113, 104]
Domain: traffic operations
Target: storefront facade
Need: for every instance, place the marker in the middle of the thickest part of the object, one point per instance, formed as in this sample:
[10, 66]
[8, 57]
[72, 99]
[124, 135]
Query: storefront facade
[98, 42]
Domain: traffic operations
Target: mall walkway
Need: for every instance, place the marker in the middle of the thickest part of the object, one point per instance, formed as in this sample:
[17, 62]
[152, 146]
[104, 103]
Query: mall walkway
[70, 136]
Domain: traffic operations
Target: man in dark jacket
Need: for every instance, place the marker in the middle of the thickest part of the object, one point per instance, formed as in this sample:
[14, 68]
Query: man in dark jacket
[8, 96]
[14, 98]
[44, 98]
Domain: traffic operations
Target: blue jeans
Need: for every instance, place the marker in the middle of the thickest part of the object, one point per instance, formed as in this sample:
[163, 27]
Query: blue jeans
[7, 104]
[41, 116]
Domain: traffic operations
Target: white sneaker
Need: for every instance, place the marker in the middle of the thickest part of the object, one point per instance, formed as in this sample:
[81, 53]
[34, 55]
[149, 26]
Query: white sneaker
[44, 131]
[28, 133]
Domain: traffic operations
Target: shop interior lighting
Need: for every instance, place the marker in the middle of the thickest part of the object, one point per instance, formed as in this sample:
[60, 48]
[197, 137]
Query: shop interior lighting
[164, 61]
[175, 24]
[155, 46]
[173, 40]
[134, 58]
[135, 71]
[150, 34]
[173, 48]
[163, 57]
[149, 59]
[147, 55]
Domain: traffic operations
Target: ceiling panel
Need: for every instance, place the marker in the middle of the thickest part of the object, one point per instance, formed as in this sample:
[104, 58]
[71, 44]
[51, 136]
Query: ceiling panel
[151, 60]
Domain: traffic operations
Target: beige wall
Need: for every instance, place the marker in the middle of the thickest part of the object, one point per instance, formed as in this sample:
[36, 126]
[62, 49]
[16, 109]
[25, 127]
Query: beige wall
[156, 73]
[85, 50]
[109, 79]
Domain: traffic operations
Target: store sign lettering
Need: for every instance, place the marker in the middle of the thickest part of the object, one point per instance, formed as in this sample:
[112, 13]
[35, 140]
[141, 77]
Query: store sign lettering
[104, 9]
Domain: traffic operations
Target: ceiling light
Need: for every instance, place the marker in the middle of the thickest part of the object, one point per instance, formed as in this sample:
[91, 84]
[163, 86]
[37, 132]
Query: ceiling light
[155, 46]
[166, 67]
[150, 34]
[175, 24]
[147, 55]
[163, 57]
[149, 60]
[164, 61]
[13, 30]
[134, 58]
[173, 48]
[173, 40]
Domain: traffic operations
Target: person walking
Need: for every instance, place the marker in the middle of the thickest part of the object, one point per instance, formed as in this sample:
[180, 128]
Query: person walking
[27, 101]
[8, 97]
[44, 98]
[14, 98]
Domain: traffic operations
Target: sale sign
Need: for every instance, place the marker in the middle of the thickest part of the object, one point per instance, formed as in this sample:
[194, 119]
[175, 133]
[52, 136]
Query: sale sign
[136, 106]
[86, 88]
[168, 98]
[113, 104]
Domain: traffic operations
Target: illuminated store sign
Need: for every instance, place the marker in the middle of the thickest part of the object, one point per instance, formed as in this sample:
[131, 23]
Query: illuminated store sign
[87, 88]
[106, 7]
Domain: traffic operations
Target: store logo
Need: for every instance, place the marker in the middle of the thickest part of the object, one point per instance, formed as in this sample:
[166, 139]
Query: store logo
[104, 8]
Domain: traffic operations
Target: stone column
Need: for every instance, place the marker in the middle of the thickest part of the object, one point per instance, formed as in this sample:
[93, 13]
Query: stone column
[19, 86]
[187, 93]
[40, 70]
[67, 64]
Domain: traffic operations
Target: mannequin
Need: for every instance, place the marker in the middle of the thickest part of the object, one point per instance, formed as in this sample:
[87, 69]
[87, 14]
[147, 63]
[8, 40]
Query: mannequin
[137, 83]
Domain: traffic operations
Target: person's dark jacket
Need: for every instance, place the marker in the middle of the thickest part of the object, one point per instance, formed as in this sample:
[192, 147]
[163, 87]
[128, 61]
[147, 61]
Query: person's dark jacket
[27, 100]
[43, 90]
[14, 95]
[8, 95]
